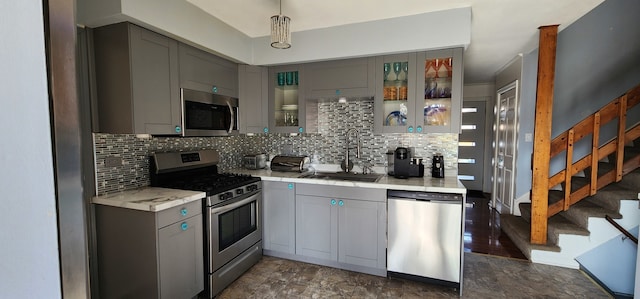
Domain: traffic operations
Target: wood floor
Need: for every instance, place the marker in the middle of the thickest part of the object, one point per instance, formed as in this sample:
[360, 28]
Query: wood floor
[482, 229]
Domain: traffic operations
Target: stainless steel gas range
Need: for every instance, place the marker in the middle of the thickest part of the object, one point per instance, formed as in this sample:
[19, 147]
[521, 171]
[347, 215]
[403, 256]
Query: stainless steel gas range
[233, 224]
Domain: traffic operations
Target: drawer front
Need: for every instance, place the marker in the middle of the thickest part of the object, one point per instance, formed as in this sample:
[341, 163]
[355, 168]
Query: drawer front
[179, 213]
[368, 194]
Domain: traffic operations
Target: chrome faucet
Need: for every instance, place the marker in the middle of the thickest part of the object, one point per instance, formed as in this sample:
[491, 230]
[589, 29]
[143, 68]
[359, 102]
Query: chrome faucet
[346, 156]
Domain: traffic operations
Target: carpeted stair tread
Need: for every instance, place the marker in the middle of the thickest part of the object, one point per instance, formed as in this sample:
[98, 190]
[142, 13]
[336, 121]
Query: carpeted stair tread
[579, 182]
[609, 197]
[556, 225]
[580, 212]
[519, 232]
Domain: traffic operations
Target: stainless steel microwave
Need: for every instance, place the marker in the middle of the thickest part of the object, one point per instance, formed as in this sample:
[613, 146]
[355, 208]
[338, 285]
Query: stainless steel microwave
[208, 114]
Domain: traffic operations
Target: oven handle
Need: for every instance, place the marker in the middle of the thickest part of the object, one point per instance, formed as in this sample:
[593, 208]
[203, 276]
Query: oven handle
[229, 207]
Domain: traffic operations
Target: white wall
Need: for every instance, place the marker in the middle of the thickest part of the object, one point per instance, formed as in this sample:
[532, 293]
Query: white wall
[187, 23]
[29, 266]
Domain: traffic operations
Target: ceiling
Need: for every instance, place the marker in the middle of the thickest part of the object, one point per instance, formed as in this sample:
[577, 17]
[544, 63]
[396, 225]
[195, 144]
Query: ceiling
[500, 29]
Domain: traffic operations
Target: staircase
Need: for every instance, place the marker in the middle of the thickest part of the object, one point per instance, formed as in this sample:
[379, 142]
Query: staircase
[604, 182]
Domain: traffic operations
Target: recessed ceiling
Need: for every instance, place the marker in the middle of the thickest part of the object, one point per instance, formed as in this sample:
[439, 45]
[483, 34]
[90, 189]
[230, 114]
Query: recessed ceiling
[500, 29]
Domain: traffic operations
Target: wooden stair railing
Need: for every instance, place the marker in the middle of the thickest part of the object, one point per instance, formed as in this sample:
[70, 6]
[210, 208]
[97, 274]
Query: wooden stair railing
[590, 126]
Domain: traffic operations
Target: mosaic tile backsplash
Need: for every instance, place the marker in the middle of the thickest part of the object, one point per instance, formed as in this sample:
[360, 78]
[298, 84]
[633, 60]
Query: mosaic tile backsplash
[325, 147]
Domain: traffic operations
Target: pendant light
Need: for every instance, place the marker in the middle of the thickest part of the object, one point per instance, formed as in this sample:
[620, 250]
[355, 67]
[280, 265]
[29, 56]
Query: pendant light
[280, 31]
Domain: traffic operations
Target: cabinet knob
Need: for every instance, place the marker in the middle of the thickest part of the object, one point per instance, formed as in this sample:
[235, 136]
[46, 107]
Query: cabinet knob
[178, 129]
[337, 92]
[290, 186]
[341, 203]
[419, 129]
[300, 130]
[265, 129]
[410, 129]
[184, 226]
[333, 202]
[183, 212]
[215, 89]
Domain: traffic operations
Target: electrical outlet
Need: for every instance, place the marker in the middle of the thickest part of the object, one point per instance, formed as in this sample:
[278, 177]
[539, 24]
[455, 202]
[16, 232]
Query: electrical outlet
[113, 161]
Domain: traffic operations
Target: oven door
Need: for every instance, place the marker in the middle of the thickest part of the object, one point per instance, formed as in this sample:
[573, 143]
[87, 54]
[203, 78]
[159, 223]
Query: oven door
[206, 114]
[233, 228]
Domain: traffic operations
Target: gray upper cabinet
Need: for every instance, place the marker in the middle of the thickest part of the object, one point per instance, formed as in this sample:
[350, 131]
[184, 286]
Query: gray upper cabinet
[287, 106]
[253, 95]
[419, 92]
[279, 216]
[347, 77]
[137, 81]
[203, 71]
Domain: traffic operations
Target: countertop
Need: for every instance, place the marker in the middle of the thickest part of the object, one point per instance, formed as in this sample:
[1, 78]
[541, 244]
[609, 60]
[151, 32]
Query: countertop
[152, 199]
[448, 184]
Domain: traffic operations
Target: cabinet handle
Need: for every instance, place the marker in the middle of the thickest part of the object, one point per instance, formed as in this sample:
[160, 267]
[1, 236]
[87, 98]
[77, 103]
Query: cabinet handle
[410, 129]
[290, 186]
[300, 130]
[178, 129]
[333, 202]
[184, 226]
[341, 203]
[265, 129]
[419, 129]
[337, 92]
[183, 212]
[215, 89]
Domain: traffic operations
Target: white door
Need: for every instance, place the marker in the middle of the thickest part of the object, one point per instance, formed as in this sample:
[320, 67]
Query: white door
[505, 129]
[471, 145]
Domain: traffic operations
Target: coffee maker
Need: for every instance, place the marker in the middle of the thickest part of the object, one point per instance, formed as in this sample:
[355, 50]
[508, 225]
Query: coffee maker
[405, 166]
[437, 166]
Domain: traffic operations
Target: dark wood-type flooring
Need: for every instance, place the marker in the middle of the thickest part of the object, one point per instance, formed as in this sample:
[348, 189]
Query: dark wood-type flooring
[482, 232]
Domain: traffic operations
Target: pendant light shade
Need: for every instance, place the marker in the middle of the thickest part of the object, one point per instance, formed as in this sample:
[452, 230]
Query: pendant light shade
[280, 31]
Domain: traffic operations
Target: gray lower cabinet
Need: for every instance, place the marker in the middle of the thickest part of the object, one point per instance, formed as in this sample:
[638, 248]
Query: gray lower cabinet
[345, 225]
[145, 254]
[136, 73]
[203, 71]
[278, 206]
[254, 95]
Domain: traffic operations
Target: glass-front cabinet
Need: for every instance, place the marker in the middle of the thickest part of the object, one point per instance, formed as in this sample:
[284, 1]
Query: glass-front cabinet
[419, 92]
[395, 93]
[286, 99]
[440, 91]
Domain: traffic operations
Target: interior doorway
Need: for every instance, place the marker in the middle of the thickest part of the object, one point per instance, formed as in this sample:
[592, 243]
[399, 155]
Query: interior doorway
[505, 132]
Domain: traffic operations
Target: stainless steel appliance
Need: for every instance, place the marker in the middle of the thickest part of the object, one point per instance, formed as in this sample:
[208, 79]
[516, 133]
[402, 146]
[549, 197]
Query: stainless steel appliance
[233, 224]
[208, 114]
[425, 232]
[255, 161]
[405, 165]
[290, 163]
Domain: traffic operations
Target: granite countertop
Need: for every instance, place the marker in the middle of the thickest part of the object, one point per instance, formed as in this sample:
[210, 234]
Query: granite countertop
[152, 199]
[448, 184]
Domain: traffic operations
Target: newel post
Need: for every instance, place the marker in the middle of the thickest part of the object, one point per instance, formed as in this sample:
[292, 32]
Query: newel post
[542, 133]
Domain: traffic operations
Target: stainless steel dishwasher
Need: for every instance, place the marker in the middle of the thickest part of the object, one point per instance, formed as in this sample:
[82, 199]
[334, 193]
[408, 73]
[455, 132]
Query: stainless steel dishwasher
[425, 233]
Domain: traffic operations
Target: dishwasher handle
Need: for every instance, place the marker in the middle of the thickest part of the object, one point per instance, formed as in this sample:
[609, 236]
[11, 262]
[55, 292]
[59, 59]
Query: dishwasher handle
[450, 201]
[424, 196]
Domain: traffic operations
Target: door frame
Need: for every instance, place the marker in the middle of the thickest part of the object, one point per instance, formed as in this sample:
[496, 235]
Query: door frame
[513, 85]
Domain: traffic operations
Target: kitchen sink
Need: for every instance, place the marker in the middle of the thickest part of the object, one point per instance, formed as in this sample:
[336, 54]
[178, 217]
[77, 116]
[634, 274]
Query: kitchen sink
[343, 176]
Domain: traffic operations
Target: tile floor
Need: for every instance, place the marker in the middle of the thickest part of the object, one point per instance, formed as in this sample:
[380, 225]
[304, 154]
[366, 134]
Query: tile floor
[493, 268]
[485, 276]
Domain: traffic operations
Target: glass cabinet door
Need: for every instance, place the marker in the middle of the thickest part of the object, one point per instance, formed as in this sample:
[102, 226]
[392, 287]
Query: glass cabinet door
[395, 95]
[286, 109]
[440, 80]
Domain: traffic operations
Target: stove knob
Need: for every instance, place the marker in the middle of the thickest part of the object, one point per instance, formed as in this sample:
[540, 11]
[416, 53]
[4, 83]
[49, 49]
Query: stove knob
[239, 191]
